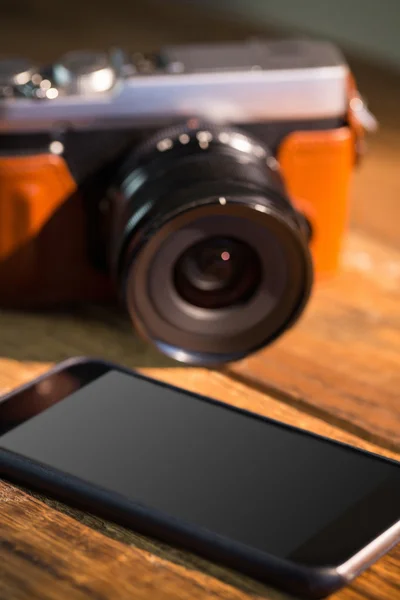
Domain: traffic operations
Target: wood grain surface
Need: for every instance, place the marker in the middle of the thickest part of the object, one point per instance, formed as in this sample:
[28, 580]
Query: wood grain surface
[336, 373]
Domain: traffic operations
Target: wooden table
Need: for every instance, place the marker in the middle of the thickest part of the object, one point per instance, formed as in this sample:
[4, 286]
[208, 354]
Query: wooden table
[337, 373]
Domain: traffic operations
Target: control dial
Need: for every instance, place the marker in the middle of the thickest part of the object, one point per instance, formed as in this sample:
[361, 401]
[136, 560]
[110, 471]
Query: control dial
[15, 73]
[84, 72]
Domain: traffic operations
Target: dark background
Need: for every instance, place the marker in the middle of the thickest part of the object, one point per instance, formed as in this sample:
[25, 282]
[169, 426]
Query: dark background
[45, 28]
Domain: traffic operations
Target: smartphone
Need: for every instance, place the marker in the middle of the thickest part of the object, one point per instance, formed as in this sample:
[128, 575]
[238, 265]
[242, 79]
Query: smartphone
[285, 506]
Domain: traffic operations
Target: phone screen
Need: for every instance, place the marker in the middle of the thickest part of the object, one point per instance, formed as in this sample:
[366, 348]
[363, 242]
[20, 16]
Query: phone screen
[260, 483]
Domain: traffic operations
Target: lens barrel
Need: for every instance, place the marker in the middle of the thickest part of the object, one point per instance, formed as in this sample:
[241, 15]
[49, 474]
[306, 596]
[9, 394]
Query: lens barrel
[211, 257]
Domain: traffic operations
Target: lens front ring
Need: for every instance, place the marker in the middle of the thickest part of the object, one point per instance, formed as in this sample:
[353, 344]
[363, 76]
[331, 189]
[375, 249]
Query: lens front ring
[213, 342]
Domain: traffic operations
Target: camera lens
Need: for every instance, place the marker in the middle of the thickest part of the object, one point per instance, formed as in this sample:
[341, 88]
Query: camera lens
[211, 257]
[217, 273]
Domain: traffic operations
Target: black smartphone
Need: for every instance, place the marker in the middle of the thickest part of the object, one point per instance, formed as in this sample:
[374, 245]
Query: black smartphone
[285, 506]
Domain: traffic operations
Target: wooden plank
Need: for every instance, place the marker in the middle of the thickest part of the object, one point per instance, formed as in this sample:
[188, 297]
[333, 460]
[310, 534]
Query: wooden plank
[50, 551]
[342, 361]
[375, 208]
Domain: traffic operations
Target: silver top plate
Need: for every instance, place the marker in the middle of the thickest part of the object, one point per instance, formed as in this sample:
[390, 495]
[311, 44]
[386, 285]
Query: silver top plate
[304, 80]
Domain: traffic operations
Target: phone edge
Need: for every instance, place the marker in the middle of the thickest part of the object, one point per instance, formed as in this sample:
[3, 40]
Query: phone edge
[312, 583]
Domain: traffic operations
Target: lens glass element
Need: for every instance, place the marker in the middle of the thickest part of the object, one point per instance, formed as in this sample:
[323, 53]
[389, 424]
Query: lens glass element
[217, 272]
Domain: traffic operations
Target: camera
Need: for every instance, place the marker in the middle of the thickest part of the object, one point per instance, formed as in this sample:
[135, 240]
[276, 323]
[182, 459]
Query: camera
[200, 186]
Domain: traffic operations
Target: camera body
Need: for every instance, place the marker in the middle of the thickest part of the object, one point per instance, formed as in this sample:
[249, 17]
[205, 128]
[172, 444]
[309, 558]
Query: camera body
[71, 131]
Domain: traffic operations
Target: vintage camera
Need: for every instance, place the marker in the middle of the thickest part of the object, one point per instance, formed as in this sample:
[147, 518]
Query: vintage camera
[193, 184]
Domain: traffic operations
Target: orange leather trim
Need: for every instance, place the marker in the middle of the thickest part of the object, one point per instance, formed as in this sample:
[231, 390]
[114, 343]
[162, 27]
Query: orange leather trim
[317, 167]
[31, 190]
